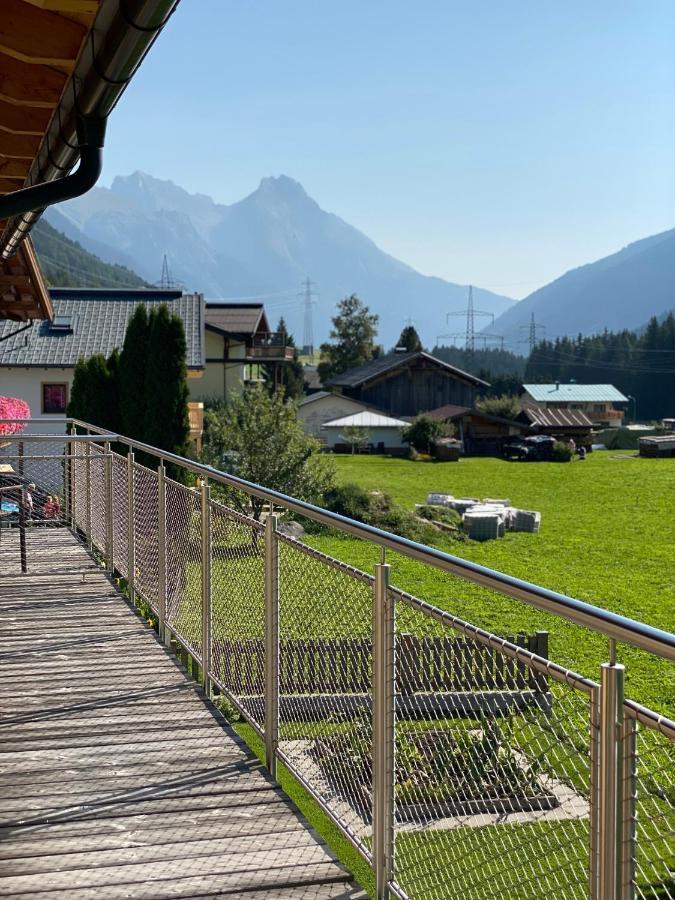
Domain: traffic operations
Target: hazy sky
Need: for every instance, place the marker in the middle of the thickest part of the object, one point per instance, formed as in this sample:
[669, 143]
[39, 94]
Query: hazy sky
[498, 142]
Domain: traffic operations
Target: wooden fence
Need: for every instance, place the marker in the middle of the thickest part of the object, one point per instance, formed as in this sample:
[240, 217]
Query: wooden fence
[441, 664]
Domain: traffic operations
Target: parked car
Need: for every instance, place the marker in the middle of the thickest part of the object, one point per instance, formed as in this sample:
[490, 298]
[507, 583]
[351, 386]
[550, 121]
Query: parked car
[537, 448]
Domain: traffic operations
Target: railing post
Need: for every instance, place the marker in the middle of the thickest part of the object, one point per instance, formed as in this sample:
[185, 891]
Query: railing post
[87, 495]
[384, 699]
[594, 806]
[610, 781]
[164, 633]
[131, 549]
[72, 477]
[271, 644]
[628, 819]
[109, 535]
[206, 582]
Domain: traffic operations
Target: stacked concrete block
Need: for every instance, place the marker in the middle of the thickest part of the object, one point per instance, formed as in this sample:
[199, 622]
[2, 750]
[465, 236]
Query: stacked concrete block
[439, 499]
[526, 520]
[482, 525]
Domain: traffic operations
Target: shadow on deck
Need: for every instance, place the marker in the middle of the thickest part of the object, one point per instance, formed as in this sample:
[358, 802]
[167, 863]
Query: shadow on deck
[118, 778]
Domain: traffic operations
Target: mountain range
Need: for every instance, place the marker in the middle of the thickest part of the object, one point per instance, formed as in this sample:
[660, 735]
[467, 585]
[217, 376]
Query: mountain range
[262, 246]
[619, 291]
[265, 245]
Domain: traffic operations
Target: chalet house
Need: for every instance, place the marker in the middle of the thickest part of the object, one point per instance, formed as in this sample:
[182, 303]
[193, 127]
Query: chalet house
[597, 401]
[237, 343]
[37, 363]
[406, 384]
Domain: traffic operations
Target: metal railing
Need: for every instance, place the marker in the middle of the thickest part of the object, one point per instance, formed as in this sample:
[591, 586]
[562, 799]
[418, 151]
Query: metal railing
[457, 762]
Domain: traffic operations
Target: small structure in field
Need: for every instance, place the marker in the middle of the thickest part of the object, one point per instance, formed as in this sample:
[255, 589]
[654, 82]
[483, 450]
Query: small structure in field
[656, 446]
[383, 433]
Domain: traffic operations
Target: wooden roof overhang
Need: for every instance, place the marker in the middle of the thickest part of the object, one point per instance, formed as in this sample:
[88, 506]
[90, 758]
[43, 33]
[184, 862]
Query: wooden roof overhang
[60, 60]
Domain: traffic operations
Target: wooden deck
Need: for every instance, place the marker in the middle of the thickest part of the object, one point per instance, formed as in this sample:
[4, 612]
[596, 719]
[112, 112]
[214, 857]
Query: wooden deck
[117, 778]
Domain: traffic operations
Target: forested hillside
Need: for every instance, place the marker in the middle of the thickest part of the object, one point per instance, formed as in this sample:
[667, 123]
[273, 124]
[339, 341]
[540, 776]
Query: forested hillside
[641, 365]
[65, 263]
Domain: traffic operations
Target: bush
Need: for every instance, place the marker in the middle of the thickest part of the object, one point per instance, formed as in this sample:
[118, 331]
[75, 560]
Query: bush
[423, 433]
[562, 452]
[349, 500]
[507, 406]
[440, 514]
[379, 510]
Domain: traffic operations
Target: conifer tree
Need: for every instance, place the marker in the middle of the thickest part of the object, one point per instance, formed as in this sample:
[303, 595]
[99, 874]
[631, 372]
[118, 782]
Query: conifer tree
[132, 369]
[167, 424]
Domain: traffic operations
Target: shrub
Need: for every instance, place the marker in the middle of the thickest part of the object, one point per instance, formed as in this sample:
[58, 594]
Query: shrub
[349, 500]
[13, 408]
[507, 406]
[423, 433]
[562, 452]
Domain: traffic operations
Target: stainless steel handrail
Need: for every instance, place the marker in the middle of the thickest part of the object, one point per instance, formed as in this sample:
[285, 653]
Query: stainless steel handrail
[614, 626]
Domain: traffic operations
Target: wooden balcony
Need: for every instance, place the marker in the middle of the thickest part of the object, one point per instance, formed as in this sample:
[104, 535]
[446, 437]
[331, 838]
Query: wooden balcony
[269, 347]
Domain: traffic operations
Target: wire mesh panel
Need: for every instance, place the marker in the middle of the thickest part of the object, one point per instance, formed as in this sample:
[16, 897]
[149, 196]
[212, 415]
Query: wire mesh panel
[120, 514]
[95, 472]
[183, 563]
[238, 608]
[32, 477]
[649, 808]
[77, 484]
[325, 682]
[492, 772]
[146, 527]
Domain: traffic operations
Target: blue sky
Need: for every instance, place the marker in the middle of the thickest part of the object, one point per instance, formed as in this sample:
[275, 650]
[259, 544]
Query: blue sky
[499, 142]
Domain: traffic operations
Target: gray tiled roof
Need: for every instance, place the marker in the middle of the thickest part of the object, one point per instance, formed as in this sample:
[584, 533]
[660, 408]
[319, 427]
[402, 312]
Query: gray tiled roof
[236, 318]
[368, 371]
[99, 322]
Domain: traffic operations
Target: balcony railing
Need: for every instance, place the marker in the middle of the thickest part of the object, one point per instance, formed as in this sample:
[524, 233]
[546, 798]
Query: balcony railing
[457, 762]
[269, 346]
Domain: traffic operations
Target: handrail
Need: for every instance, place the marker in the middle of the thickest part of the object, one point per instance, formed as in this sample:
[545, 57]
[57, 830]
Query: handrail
[614, 626]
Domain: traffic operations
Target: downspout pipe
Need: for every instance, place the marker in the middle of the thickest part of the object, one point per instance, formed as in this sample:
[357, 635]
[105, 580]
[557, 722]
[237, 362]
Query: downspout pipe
[91, 136]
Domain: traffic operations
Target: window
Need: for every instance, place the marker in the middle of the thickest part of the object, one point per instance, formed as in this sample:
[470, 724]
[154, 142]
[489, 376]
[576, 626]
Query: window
[54, 398]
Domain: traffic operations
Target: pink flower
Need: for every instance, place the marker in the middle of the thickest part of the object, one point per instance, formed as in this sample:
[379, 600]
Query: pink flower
[13, 408]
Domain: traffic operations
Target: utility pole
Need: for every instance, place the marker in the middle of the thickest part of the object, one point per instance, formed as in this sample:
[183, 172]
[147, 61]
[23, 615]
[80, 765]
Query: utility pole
[531, 338]
[166, 282]
[469, 335]
[308, 330]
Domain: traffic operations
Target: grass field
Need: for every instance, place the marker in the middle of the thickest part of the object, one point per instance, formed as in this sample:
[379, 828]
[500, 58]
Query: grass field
[607, 537]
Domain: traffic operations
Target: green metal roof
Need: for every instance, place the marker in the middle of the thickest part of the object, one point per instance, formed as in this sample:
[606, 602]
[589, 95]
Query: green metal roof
[575, 393]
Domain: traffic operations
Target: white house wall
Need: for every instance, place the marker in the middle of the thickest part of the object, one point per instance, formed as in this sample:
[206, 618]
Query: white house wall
[25, 383]
[390, 437]
[315, 414]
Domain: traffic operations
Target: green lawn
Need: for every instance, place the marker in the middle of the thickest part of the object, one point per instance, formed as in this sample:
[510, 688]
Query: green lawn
[607, 537]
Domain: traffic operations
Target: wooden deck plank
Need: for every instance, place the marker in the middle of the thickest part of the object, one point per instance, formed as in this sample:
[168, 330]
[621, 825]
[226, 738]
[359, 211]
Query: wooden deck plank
[118, 779]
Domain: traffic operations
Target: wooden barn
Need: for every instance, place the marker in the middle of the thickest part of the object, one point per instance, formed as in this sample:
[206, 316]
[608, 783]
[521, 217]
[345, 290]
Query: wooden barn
[481, 433]
[406, 384]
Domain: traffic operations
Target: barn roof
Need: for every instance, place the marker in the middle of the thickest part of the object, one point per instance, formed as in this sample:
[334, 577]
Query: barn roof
[556, 418]
[88, 321]
[369, 371]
